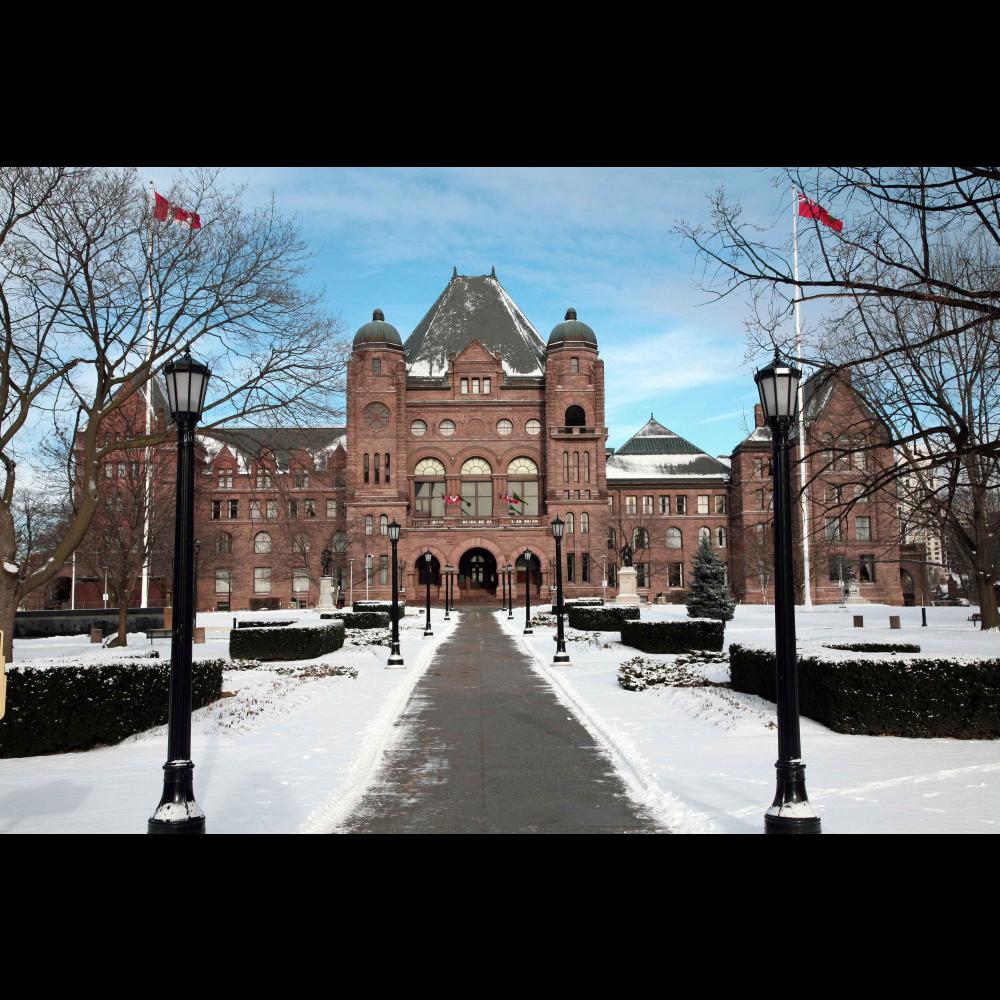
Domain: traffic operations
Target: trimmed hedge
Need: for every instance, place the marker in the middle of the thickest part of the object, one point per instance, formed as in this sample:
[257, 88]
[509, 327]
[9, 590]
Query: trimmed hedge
[82, 704]
[887, 697]
[266, 623]
[361, 619]
[609, 618]
[874, 647]
[384, 606]
[286, 642]
[674, 637]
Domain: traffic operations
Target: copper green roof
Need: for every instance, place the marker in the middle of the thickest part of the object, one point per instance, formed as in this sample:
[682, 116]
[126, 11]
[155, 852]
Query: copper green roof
[378, 332]
[571, 330]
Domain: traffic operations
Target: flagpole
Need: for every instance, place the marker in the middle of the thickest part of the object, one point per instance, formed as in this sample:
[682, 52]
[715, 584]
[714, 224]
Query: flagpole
[802, 427]
[148, 487]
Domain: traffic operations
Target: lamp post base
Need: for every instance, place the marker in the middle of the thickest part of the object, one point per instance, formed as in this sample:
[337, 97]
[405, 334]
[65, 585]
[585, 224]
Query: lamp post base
[394, 662]
[561, 658]
[178, 812]
[529, 631]
[791, 812]
[427, 632]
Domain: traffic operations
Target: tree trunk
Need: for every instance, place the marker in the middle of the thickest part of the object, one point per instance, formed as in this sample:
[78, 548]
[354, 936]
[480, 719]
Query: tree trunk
[987, 602]
[8, 606]
[122, 639]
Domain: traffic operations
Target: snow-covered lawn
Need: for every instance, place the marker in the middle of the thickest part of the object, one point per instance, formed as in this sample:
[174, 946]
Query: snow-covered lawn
[283, 754]
[702, 759]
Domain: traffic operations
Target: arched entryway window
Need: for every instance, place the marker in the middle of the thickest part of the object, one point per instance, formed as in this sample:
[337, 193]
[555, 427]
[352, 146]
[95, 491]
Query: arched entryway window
[532, 571]
[575, 417]
[422, 572]
[522, 487]
[477, 488]
[429, 488]
[262, 542]
[477, 571]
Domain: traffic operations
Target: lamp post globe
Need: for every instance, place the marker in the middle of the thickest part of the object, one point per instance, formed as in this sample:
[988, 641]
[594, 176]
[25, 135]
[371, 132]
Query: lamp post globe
[395, 656]
[427, 569]
[178, 812]
[561, 656]
[790, 812]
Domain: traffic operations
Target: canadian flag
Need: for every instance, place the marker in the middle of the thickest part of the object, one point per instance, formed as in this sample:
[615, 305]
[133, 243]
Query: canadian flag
[166, 212]
[810, 210]
[450, 500]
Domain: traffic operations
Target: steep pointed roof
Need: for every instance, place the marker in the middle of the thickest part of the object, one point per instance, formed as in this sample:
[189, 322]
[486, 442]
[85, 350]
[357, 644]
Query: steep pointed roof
[474, 307]
[656, 452]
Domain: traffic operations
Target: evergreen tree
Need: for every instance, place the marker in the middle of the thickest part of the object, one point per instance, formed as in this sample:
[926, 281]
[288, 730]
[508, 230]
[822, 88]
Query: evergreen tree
[709, 595]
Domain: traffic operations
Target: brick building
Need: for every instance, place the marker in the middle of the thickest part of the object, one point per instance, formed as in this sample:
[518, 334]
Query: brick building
[474, 434]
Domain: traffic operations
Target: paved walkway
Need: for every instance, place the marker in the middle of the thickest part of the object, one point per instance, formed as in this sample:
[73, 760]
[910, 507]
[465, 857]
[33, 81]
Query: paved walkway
[487, 748]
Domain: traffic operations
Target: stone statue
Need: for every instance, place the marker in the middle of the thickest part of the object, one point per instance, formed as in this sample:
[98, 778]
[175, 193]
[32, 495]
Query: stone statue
[327, 557]
[626, 554]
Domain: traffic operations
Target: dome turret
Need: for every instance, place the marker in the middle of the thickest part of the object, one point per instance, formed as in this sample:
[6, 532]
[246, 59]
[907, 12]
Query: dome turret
[571, 330]
[378, 333]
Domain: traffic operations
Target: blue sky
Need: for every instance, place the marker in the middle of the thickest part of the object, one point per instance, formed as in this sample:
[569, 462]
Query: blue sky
[598, 239]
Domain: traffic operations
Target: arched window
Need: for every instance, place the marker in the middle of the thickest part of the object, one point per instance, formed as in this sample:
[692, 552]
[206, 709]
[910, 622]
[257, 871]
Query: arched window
[586, 466]
[704, 535]
[262, 542]
[383, 524]
[365, 466]
[339, 541]
[300, 543]
[522, 487]
[368, 524]
[569, 524]
[640, 538]
[429, 488]
[223, 543]
[575, 417]
[565, 466]
[674, 540]
[477, 492]
[387, 468]
[378, 462]
[720, 537]
[584, 524]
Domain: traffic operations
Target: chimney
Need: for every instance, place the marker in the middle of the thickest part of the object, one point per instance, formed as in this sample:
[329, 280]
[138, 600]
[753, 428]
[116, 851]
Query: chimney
[758, 415]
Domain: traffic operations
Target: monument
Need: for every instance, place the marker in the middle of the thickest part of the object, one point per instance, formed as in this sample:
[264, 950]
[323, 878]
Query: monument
[326, 583]
[627, 593]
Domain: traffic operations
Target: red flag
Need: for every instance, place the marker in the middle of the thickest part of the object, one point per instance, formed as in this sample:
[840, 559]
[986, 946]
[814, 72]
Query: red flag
[164, 211]
[810, 210]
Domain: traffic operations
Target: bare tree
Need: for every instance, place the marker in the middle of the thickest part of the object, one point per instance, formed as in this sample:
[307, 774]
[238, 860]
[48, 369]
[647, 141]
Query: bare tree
[96, 296]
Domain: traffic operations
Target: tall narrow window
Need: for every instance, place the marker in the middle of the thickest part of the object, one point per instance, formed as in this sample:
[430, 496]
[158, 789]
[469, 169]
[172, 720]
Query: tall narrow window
[585, 524]
[574, 364]
[570, 568]
[465, 386]
[569, 523]
[368, 524]
[365, 467]
[234, 509]
[387, 468]
[486, 385]
[383, 526]
[586, 467]
[720, 537]
[376, 366]
[475, 387]
[293, 508]
[223, 581]
[377, 464]
[565, 466]
[216, 510]
[331, 508]
[262, 580]
[664, 505]
[585, 568]
[576, 467]
[383, 568]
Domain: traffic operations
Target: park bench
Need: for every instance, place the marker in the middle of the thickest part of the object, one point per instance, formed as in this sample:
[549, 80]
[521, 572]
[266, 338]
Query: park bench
[158, 633]
[975, 617]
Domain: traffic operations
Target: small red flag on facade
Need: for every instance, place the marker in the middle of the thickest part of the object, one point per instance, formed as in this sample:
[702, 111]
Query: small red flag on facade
[166, 212]
[810, 210]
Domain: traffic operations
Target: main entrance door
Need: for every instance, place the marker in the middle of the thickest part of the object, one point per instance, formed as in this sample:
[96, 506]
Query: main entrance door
[477, 572]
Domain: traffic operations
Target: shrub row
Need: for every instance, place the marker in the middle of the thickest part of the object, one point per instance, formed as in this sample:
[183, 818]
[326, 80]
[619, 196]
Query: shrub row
[384, 606]
[266, 623]
[674, 637]
[609, 618]
[361, 619]
[874, 647]
[84, 703]
[287, 642]
[889, 697]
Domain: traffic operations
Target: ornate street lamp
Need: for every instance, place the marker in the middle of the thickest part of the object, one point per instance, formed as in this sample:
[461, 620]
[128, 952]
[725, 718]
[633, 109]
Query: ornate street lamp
[558, 526]
[527, 593]
[510, 592]
[448, 570]
[395, 656]
[178, 812]
[790, 812]
[427, 566]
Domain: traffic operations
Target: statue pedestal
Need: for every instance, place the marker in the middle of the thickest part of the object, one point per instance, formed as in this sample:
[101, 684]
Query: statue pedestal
[627, 587]
[326, 593]
[854, 596]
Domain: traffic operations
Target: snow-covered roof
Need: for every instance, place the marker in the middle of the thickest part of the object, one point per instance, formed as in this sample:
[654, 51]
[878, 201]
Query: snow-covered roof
[656, 452]
[248, 442]
[474, 307]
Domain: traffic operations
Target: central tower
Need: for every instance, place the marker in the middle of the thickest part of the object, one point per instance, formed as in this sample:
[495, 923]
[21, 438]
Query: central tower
[474, 434]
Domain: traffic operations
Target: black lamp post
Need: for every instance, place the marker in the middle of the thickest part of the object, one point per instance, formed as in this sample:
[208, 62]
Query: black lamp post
[527, 593]
[194, 603]
[448, 570]
[427, 566]
[790, 812]
[395, 657]
[558, 526]
[178, 812]
[510, 592]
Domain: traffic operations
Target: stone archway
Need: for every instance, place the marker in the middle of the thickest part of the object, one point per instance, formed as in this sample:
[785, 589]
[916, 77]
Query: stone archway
[477, 573]
[906, 585]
